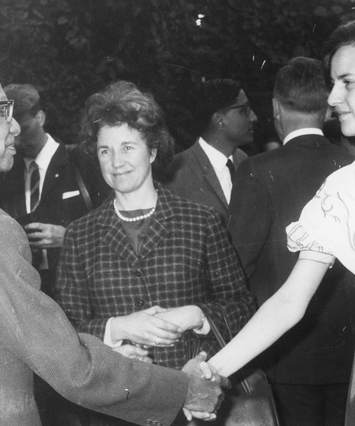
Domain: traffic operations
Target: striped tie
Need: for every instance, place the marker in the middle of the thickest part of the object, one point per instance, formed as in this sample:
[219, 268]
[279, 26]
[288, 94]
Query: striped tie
[34, 185]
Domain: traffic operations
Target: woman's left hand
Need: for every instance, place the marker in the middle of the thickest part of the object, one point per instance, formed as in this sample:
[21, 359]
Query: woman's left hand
[186, 317]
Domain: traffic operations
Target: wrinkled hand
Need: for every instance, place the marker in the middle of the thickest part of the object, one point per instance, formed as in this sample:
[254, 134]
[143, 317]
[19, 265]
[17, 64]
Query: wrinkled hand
[204, 395]
[45, 235]
[200, 368]
[133, 352]
[186, 317]
[145, 328]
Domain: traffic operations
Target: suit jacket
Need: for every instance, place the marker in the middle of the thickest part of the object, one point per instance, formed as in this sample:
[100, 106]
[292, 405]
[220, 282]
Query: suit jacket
[60, 178]
[194, 178]
[269, 192]
[35, 335]
[185, 258]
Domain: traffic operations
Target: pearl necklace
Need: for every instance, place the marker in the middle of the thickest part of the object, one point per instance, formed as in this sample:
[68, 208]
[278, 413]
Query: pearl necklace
[132, 219]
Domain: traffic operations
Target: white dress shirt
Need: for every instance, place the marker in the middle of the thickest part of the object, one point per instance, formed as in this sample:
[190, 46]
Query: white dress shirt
[219, 164]
[43, 159]
[302, 132]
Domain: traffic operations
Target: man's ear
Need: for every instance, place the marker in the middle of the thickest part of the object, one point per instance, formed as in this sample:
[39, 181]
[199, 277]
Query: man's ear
[217, 119]
[276, 108]
[41, 117]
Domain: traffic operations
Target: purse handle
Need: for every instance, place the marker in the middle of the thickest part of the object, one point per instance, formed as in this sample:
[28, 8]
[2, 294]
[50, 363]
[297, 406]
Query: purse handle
[221, 341]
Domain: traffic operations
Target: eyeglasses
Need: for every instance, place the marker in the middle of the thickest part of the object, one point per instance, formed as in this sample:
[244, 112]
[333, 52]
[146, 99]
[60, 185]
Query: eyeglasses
[6, 110]
[245, 109]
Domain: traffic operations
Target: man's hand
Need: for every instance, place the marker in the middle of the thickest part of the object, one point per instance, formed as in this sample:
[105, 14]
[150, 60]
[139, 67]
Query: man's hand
[204, 395]
[199, 367]
[45, 235]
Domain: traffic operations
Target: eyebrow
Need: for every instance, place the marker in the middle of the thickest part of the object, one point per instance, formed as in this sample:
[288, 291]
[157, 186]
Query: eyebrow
[344, 75]
[123, 143]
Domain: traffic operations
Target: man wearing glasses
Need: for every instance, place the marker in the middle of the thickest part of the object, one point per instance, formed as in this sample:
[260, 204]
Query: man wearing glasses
[35, 335]
[45, 190]
[309, 366]
[204, 172]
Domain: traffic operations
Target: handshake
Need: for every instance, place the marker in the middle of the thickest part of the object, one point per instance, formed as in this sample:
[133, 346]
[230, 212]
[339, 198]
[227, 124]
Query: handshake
[205, 390]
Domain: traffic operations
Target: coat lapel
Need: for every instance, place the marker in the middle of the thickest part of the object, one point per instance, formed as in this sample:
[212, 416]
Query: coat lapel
[116, 238]
[158, 227]
[208, 173]
[113, 235]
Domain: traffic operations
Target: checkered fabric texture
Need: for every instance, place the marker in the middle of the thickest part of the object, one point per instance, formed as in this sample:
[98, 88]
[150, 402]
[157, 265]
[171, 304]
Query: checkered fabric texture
[185, 258]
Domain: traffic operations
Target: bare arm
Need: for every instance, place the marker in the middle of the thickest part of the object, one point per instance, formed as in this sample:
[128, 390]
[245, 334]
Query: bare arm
[277, 315]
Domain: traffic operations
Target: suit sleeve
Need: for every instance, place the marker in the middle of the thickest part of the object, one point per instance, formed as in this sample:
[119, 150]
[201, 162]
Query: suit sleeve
[79, 367]
[249, 215]
[230, 297]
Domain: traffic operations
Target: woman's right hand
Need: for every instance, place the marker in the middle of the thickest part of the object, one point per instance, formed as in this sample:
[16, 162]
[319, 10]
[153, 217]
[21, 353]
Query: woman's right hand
[144, 328]
[134, 352]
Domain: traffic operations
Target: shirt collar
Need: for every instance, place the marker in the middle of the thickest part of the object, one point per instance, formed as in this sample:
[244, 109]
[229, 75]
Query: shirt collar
[217, 159]
[302, 132]
[45, 155]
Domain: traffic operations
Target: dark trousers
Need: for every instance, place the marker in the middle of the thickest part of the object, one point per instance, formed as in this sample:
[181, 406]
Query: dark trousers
[310, 405]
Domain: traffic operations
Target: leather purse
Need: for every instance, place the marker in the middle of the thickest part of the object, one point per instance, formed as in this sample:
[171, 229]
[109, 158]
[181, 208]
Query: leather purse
[250, 401]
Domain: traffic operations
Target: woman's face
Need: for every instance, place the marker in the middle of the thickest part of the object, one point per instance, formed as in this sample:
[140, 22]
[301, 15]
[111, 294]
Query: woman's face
[342, 95]
[124, 158]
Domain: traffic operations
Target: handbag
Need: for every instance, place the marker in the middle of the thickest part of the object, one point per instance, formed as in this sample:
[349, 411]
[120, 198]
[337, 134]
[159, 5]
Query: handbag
[250, 401]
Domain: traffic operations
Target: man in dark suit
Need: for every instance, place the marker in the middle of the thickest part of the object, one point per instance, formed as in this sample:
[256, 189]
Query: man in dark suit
[35, 335]
[62, 195]
[309, 367]
[203, 173]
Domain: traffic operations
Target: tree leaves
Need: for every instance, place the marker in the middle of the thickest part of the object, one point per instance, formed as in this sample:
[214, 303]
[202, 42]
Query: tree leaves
[71, 48]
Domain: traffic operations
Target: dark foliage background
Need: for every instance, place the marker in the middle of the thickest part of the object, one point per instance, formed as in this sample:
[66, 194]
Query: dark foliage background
[71, 48]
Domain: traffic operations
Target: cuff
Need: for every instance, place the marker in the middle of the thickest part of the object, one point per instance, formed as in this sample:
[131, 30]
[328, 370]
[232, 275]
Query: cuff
[205, 327]
[107, 336]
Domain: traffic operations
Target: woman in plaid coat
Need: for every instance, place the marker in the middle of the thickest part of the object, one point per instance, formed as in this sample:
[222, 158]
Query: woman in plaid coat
[146, 270]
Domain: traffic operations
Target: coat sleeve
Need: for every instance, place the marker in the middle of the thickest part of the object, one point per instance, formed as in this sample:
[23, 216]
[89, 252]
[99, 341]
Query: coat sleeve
[250, 215]
[79, 367]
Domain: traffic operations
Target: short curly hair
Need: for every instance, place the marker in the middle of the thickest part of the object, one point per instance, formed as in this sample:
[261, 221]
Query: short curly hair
[123, 103]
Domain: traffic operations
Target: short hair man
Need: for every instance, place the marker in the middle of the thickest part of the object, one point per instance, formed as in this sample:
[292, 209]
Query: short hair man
[35, 335]
[269, 192]
[203, 173]
[45, 190]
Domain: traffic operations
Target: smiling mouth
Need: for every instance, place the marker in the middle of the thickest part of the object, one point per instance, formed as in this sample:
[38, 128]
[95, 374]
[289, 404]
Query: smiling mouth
[120, 174]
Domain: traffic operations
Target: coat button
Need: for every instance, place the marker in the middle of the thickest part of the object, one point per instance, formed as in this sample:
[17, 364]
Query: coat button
[140, 303]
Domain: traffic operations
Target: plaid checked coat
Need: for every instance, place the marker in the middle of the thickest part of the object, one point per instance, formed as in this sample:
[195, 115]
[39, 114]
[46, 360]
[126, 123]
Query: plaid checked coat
[185, 258]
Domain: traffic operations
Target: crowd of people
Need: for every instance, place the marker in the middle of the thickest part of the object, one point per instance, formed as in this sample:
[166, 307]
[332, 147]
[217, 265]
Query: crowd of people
[118, 255]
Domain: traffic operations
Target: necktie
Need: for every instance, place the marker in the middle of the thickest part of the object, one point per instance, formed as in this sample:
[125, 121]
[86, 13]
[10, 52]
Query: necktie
[37, 254]
[231, 168]
[34, 185]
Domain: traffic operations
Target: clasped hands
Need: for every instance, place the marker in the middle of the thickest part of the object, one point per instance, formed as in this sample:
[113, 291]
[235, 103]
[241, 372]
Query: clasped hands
[163, 327]
[205, 392]
[154, 326]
